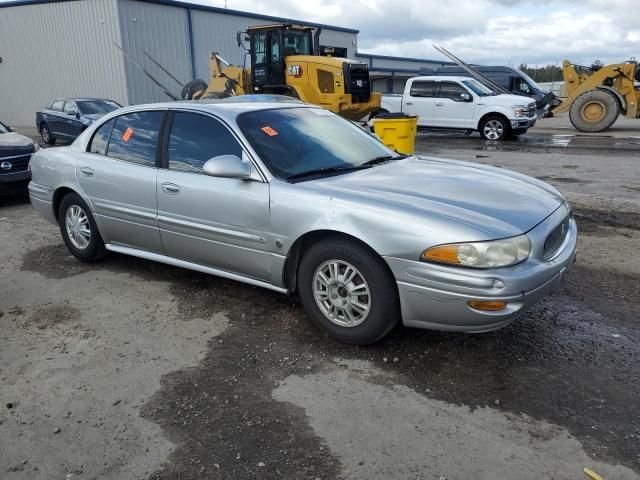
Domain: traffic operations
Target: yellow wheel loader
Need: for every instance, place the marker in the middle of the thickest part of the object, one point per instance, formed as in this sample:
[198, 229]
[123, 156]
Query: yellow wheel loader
[286, 60]
[597, 95]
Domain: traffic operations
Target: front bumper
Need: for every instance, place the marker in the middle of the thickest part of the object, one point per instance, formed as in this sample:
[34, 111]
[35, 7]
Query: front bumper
[437, 297]
[14, 182]
[523, 123]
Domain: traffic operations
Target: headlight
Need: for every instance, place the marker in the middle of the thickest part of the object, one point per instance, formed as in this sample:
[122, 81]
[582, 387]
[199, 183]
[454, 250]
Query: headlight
[520, 110]
[493, 254]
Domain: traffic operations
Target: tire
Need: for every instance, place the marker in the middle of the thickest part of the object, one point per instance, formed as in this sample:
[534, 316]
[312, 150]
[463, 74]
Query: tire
[94, 249]
[192, 88]
[372, 285]
[45, 133]
[594, 111]
[495, 127]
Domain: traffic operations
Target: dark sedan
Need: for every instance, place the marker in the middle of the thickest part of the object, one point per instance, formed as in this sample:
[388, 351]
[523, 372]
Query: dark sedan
[65, 119]
[15, 154]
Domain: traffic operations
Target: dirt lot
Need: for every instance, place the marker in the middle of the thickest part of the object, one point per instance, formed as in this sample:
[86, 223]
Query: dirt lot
[130, 369]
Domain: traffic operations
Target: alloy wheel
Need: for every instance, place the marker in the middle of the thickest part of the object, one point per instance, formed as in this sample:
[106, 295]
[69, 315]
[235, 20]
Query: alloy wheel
[342, 293]
[77, 226]
[493, 129]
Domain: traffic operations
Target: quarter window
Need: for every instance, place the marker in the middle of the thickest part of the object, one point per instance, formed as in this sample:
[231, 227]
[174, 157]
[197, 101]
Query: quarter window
[101, 138]
[423, 89]
[134, 137]
[451, 90]
[194, 139]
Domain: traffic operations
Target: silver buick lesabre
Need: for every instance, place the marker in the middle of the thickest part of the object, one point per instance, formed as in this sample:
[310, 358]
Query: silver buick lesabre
[293, 198]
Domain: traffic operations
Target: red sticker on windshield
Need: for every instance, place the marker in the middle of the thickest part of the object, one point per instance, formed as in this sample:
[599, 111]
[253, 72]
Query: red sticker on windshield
[269, 131]
[126, 136]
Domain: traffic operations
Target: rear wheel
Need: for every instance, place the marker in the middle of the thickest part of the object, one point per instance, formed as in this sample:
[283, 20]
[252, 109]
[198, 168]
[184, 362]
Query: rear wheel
[495, 127]
[594, 111]
[79, 230]
[348, 291]
[46, 134]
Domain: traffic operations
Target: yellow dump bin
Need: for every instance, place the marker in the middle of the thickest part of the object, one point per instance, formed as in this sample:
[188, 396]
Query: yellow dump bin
[397, 131]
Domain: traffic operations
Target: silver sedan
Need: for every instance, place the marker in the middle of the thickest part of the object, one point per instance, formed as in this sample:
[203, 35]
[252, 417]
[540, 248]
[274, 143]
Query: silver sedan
[295, 199]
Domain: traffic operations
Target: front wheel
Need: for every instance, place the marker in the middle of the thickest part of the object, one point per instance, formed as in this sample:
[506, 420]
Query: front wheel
[79, 230]
[495, 127]
[348, 291]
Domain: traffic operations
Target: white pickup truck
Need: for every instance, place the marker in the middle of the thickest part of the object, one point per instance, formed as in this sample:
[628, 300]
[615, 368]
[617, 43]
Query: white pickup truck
[463, 103]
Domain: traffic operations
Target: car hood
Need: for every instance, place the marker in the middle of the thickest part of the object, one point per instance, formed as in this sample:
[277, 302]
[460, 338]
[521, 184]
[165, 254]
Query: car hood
[12, 144]
[498, 202]
[92, 117]
[512, 100]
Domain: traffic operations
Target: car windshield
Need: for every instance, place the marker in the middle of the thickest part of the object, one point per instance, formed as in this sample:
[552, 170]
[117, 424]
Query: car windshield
[294, 142]
[92, 107]
[478, 88]
[3, 128]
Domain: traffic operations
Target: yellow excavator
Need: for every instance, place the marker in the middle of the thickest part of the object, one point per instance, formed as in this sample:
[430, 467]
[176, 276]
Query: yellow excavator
[286, 60]
[597, 95]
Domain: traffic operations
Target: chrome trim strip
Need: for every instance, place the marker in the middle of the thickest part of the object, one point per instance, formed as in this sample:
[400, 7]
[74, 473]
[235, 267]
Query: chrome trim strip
[109, 207]
[191, 266]
[2, 159]
[450, 278]
[209, 229]
[14, 173]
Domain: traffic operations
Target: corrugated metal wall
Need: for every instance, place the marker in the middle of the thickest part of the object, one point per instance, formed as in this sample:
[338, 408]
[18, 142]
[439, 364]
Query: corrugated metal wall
[58, 50]
[162, 32]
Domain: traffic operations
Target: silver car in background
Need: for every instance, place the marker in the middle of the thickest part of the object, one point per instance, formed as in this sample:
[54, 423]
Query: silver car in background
[295, 199]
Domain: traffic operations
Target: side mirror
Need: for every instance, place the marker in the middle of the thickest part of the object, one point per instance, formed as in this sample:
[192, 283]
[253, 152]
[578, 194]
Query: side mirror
[227, 166]
[465, 97]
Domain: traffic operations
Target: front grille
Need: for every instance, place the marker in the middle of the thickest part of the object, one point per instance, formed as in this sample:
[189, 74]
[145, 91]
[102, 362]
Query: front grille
[14, 164]
[555, 239]
[357, 82]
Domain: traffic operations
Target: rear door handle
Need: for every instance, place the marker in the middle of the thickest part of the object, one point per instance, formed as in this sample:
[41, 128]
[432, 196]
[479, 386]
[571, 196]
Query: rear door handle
[408, 103]
[86, 171]
[170, 188]
[439, 104]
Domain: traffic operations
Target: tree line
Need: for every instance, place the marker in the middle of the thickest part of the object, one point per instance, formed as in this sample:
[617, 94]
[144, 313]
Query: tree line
[547, 73]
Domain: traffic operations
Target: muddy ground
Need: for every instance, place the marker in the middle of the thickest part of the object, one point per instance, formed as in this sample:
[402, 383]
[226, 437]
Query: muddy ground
[129, 369]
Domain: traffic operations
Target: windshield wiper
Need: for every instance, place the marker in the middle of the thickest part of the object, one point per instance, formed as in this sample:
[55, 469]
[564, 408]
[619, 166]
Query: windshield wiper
[326, 170]
[383, 159]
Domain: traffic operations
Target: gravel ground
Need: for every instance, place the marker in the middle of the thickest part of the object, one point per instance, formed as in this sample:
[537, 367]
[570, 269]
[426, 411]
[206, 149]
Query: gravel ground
[129, 369]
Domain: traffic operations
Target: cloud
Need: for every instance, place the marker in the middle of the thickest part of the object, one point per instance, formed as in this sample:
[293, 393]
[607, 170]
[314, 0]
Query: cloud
[482, 31]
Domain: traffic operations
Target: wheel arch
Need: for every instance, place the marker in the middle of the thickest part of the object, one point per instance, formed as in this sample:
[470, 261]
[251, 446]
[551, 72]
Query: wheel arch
[493, 113]
[304, 241]
[61, 192]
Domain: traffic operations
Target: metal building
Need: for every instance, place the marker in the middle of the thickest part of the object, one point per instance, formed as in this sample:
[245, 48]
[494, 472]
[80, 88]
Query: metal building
[102, 48]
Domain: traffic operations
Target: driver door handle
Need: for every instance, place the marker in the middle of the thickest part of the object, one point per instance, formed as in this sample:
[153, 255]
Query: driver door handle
[170, 188]
[439, 104]
[86, 171]
[408, 103]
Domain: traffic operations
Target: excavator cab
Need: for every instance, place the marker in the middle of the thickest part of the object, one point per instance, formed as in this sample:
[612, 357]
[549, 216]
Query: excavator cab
[269, 45]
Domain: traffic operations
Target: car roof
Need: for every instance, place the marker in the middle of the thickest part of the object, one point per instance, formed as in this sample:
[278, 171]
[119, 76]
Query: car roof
[81, 99]
[219, 106]
[482, 68]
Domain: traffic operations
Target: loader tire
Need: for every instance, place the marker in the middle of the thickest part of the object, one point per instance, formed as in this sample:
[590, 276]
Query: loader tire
[192, 88]
[594, 111]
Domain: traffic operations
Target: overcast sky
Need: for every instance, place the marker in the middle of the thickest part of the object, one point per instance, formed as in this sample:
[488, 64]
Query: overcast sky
[482, 31]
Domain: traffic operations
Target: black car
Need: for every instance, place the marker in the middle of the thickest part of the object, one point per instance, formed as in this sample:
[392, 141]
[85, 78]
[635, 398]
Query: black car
[66, 118]
[15, 154]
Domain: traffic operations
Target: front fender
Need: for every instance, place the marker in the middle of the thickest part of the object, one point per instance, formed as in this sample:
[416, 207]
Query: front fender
[504, 111]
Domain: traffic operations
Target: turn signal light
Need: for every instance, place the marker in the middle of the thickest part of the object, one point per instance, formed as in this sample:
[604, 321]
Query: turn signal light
[488, 306]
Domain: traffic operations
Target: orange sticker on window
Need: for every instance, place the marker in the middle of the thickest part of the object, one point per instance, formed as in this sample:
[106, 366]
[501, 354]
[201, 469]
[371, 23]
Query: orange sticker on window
[126, 136]
[269, 131]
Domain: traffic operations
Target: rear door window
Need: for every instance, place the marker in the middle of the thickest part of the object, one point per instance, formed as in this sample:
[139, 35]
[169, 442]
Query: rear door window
[70, 107]
[423, 89]
[134, 137]
[57, 105]
[196, 138]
